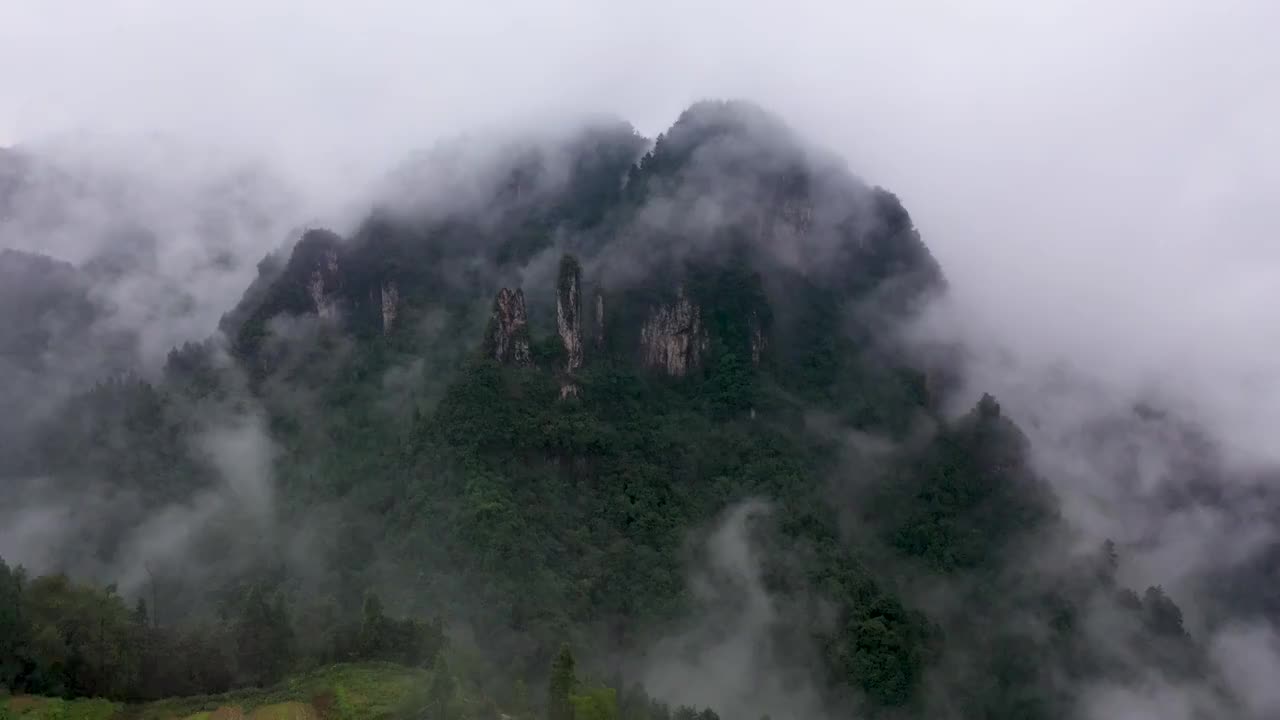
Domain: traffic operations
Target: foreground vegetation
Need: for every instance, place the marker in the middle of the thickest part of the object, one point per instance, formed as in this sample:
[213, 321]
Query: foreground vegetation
[360, 691]
[366, 691]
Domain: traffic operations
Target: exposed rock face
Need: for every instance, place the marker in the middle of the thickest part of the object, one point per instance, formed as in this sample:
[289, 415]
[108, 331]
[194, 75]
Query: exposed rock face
[569, 311]
[507, 339]
[757, 338]
[599, 341]
[323, 283]
[673, 338]
[390, 305]
[797, 213]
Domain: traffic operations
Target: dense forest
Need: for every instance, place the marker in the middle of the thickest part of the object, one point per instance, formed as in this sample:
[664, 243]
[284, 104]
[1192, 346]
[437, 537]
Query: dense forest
[612, 428]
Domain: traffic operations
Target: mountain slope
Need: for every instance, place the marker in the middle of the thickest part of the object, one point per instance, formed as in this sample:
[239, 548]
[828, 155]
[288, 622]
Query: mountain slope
[736, 280]
[650, 400]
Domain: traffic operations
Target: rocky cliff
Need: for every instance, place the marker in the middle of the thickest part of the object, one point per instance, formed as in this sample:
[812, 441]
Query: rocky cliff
[756, 329]
[390, 296]
[507, 338]
[599, 328]
[569, 312]
[726, 244]
[673, 338]
[323, 284]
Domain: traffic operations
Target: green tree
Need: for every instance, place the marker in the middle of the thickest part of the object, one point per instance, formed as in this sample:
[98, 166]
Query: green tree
[595, 704]
[375, 630]
[81, 640]
[264, 638]
[140, 613]
[417, 643]
[560, 687]
[13, 629]
[1160, 614]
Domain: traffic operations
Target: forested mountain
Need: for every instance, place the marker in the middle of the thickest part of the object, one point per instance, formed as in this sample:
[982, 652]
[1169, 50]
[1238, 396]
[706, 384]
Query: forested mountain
[649, 401]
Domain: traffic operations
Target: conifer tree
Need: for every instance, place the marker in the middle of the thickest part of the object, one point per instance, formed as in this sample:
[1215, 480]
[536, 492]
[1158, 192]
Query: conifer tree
[559, 706]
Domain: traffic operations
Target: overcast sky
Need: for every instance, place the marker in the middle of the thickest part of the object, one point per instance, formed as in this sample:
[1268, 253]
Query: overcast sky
[1097, 178]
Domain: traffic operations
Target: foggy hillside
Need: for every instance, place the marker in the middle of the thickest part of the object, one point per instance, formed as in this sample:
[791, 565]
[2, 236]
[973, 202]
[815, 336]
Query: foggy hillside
[933, 378]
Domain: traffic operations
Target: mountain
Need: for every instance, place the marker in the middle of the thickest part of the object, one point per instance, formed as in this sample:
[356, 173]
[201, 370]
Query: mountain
[164, 232]
[649, 399]
[53, 343]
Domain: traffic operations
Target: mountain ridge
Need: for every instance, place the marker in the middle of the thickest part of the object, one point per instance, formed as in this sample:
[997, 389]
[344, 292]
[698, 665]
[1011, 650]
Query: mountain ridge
[523, 407]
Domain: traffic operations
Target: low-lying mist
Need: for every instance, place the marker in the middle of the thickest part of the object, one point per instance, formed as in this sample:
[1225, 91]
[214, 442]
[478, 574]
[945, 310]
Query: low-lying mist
[1093, 181]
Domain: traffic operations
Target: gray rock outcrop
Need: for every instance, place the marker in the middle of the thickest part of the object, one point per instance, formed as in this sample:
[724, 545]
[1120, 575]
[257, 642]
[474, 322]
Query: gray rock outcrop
[507, 338]
[569, 312]
[390, 305]
[673, 338]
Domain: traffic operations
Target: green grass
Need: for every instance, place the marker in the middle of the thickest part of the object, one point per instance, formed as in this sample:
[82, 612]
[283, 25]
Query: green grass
[41, 708]
[366, 691]
[370, 691]
[286, 711]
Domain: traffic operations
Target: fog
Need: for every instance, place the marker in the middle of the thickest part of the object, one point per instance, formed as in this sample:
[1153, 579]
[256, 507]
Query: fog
[1091, 177]
[727, 656]
[1095, 180]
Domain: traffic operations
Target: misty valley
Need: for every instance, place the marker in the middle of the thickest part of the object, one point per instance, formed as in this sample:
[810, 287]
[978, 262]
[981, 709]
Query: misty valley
[578, 426]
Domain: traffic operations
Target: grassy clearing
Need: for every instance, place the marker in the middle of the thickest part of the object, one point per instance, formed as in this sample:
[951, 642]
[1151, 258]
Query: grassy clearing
[366, 691]
[28, 707]
[285, 711]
